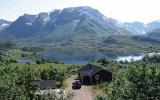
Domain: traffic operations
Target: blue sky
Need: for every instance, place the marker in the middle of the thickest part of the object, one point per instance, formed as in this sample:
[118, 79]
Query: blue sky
[122, 10]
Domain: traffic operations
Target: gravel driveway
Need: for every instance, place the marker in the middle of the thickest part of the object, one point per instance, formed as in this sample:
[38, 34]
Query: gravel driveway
[80, 94]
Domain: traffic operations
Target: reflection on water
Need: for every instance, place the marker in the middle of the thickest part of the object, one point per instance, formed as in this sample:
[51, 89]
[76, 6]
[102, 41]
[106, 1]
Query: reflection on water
[129, 58]
[75, 62]
[134, 58]
[120, 58]
[23, 60]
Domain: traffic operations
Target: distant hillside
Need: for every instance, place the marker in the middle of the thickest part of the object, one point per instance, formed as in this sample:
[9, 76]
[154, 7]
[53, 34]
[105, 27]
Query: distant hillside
[4, 44]
[155, 33]
[108, 47]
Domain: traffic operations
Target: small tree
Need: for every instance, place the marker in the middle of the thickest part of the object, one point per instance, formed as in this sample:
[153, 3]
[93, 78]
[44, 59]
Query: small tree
[102, 96]
[52, 73]
[44, 74]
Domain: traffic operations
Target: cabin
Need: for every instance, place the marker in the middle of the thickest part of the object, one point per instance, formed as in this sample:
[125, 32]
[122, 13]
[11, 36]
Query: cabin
[92, 74]
[45, 87]
[45, 84]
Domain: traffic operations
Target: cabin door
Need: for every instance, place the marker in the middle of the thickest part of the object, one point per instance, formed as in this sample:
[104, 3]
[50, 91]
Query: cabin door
[86, 80]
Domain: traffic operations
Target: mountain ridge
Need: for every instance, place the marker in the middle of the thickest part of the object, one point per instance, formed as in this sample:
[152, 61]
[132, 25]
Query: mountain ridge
[4, 24]
[139, 28]
[69, 21]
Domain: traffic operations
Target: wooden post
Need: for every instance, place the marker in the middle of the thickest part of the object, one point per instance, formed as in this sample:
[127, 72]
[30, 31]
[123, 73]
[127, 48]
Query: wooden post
[91, 80]
[82, 79]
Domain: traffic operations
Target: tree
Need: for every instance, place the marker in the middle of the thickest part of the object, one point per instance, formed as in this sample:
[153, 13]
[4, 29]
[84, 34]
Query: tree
[44, 74]
[52, 73]
[141, 82]
[102, 96]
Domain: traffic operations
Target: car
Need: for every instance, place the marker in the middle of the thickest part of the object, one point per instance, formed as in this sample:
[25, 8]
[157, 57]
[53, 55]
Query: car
[76, 84]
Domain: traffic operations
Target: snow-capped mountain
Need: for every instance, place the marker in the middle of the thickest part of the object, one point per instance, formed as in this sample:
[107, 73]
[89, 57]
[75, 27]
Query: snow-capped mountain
[139, 28]
[4, 23]
[59, 25]
[69, 24]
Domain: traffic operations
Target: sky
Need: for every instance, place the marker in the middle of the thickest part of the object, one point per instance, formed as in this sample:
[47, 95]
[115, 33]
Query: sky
[122, 10]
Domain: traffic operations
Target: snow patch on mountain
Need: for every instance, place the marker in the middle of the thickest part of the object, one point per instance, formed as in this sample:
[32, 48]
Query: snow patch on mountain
[145, 25]
[104, 17]
[4, 25]
[158, 21]
[71, 10]
[29, 24]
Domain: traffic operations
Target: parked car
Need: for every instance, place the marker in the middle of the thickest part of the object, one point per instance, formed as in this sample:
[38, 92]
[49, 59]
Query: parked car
[76, 84]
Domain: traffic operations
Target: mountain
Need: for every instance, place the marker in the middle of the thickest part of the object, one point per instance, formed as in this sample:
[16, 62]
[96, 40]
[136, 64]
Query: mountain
[138, 28]
[80, 33]
[4, 24]
[75, 23]
[153, 25]
[155, 33]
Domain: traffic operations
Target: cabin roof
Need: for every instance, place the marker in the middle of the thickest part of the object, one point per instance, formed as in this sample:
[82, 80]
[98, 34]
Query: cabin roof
[90, 70]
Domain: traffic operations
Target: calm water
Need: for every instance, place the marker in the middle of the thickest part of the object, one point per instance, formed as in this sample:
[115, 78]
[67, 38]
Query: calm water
[129, 58]
[75, 62]
[135, 58]
[120, 58]
[23, 60]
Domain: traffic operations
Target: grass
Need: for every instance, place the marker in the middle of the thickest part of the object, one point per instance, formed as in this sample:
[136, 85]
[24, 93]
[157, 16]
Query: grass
[61, 85]
[99, 88]
[16, 53]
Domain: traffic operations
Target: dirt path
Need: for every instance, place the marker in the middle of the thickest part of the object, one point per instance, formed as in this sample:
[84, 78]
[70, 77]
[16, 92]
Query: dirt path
[80, 94]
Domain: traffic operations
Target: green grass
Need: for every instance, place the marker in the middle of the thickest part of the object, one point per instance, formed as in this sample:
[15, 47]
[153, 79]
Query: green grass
[96, 89]
[16, 53]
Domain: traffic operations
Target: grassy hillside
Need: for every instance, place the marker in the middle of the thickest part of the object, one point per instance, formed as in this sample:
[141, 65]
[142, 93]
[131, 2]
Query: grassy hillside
[155, 33]
[6, 44]
[101, 47]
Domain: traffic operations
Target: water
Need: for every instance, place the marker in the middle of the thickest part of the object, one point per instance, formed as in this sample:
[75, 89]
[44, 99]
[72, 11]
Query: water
[75, 62]
[134, 58]
[23, 60]
[120, 58]
[129, 58]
